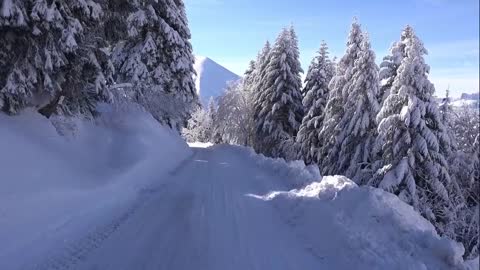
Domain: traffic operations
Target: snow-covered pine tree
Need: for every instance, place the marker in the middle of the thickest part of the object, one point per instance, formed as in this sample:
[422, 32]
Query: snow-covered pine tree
[157, 59]
[278, 103]
[249, 76]
[335, 105]
[414, 142]
[465, 124]
[257, 76]
[215, 131]
[389, 67]
[314, 101]
[446, 107]
[263, 57]
[50, 53]
[465, 168]
[447, 116]
[471, 237]
[357, 126]
[92, 71]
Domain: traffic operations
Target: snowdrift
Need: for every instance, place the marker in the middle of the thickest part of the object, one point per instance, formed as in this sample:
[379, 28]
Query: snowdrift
[352, 227]
[71, 180]
[297, 173]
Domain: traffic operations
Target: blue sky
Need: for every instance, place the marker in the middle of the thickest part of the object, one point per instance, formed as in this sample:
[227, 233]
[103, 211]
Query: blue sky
[232, 31]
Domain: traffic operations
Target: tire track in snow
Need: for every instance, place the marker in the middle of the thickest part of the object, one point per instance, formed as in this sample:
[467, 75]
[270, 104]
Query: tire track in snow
[76, 253]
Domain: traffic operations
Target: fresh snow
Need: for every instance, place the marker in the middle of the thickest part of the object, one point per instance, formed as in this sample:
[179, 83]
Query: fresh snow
[200, 145]
[211, 79]
[58, 191]
[125, 193]
[460, 103]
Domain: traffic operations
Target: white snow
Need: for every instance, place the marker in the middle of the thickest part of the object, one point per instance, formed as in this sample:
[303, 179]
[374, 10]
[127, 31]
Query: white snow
[211, 79]
[56, 189]
[351, 227]
[125, 193]
[465, 103]
[200, 145]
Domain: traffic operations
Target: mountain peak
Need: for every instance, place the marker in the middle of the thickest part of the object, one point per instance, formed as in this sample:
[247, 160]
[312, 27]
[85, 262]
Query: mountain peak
[211, 79]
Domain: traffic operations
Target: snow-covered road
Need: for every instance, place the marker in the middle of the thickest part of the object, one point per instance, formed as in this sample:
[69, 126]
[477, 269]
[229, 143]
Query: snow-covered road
[129, 194]
[200, 218]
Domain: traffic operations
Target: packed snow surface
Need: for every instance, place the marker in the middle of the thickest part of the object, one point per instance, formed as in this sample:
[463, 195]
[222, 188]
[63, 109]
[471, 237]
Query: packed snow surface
[211, 79]
[125, 193]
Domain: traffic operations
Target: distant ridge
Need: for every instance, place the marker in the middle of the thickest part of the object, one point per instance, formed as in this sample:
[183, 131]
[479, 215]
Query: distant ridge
[472, 96]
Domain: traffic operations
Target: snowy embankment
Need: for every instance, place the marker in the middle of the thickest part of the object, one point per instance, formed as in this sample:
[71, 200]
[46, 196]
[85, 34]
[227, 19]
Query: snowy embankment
[352, 227]
[125, 193]
[54, 187]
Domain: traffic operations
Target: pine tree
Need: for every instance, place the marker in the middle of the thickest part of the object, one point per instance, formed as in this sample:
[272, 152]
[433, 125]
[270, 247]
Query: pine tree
[261, 63]
[414, 142]
[447, 116]
[256, 84]
[336, 102]
[446, 107]
[315, 97]
[249, 76]
[157, 59]
[357, 126]
[50, 54]
[278, 106]
[389, 67]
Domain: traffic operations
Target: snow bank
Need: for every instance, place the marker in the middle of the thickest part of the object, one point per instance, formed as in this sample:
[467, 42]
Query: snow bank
[200, 145]
[296, 172]
[473, 264]
[51, 179]
[352, 227]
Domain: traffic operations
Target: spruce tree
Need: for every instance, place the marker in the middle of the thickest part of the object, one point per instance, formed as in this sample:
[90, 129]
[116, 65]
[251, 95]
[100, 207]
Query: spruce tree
[261, 63]
[336, 102]
[50, 55]
[157, 59]
[315, 98]
[249, 76]
[357, 126]
[278, 106]
[258, 75]
[413, 140]
[447, 116]
[389, 67]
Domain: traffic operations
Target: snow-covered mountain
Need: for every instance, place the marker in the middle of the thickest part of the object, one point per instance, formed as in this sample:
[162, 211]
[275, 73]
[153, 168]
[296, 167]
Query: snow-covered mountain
[469, 100]
[471, 96]
[212, 78]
